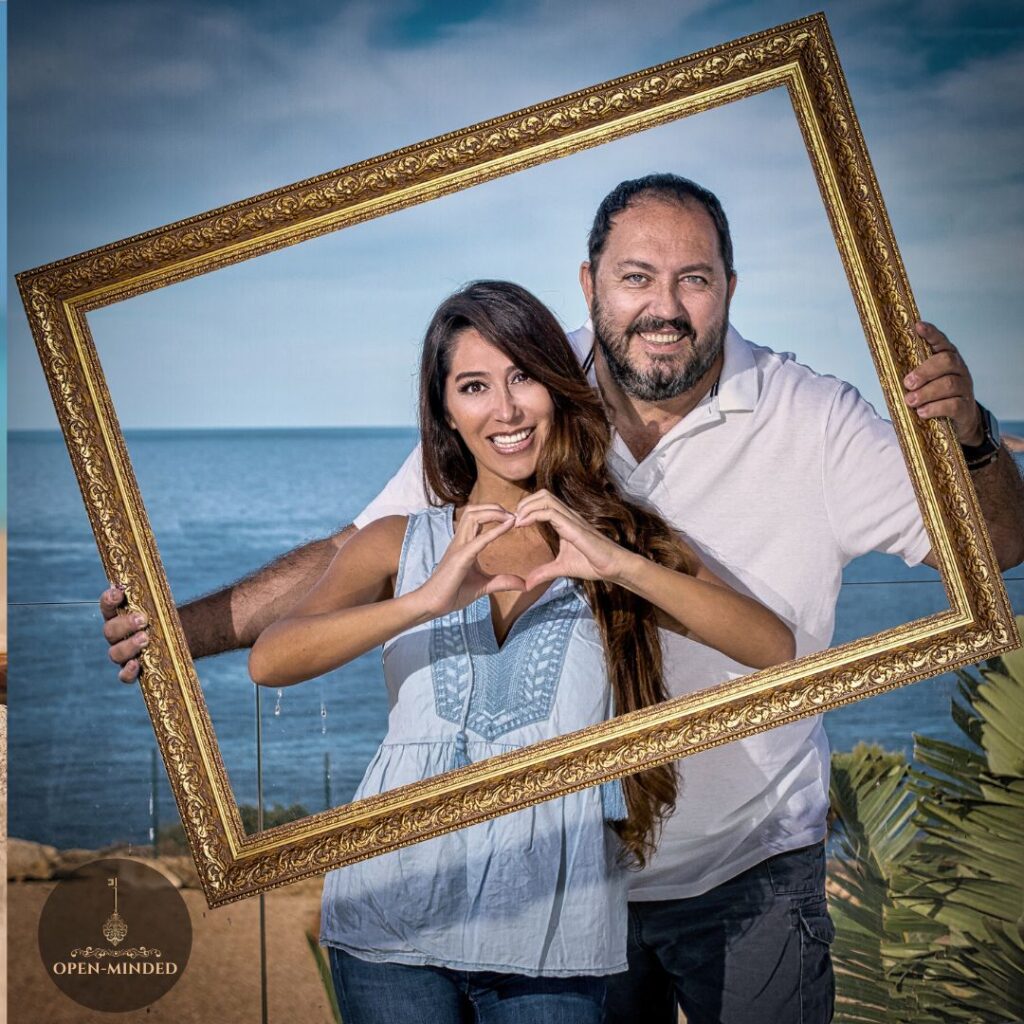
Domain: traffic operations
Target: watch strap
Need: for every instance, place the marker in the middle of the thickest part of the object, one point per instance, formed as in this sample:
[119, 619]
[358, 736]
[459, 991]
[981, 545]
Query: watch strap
[978, 455]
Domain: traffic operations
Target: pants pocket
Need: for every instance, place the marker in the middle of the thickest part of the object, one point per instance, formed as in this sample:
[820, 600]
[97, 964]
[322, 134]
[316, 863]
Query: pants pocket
[817, 982]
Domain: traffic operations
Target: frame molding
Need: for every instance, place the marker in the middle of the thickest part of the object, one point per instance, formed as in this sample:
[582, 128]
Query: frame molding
[800, 56]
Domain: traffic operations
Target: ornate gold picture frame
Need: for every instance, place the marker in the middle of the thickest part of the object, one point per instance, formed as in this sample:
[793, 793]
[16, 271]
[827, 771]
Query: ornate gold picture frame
[799, 56]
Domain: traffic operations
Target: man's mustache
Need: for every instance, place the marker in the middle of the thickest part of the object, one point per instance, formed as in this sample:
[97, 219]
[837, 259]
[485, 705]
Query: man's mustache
[652, 323]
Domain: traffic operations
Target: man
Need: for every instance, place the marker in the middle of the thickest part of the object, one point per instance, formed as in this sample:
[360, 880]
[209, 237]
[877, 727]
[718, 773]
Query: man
[779, 477]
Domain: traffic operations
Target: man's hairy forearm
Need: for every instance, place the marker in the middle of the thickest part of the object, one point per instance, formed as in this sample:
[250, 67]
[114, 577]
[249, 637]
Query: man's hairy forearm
[1000, 491]
[235, 616]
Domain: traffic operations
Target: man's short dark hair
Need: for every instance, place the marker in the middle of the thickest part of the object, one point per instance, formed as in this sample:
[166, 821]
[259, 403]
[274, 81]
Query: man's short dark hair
[671, 187]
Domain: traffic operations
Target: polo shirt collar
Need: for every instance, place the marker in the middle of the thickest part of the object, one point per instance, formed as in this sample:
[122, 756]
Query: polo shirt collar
[739, 385]
[736, 390]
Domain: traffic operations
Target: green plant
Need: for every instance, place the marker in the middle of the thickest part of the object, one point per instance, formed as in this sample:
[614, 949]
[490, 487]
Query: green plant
[930, 863]
[324, 970]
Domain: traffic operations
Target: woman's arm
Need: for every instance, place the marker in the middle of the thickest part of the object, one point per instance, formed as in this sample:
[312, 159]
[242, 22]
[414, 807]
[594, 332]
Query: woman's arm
[348, 612]
[352, 609]
[705, 607]
[711, 612]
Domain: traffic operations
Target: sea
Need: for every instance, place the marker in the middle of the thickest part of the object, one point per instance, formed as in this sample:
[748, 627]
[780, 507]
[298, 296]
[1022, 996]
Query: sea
[83, 766]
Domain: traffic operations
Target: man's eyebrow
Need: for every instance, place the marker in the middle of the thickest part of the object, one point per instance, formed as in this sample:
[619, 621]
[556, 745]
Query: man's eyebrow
[628, 264]
[639, 264]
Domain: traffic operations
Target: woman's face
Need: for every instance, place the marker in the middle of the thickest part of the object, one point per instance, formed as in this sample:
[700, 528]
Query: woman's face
[502, 415]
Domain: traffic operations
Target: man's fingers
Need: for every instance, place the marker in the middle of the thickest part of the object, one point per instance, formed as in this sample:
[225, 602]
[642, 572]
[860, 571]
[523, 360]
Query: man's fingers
[933, 337]
[122, 626]
[110, 601]
[945, 387]
[129, 672]
[951, 407]
[942, 364]
[123, 652]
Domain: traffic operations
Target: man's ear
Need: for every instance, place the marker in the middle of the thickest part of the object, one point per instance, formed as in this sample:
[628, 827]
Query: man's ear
[732, 284]
[587, 283]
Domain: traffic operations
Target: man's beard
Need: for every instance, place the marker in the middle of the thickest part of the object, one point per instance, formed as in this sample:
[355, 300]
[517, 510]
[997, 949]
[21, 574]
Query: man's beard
[666, 378]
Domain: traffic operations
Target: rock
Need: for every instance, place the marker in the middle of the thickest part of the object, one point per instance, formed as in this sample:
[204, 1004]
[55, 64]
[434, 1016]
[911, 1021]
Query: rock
[30, 861]
[68, 860]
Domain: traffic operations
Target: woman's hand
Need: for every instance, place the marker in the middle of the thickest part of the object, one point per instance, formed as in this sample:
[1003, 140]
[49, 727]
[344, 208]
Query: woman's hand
[458, 579]
[583, 553]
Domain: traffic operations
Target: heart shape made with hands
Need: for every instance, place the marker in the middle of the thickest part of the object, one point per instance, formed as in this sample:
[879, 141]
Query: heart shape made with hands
[582, 554]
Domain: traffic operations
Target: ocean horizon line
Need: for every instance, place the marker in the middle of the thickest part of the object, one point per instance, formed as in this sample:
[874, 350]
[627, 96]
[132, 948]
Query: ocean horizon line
[1008, 426]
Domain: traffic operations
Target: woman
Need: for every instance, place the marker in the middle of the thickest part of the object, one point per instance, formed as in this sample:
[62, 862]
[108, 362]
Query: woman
[518, 918]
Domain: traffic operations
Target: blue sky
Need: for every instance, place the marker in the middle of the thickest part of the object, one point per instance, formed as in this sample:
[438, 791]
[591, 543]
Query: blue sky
[128, 115]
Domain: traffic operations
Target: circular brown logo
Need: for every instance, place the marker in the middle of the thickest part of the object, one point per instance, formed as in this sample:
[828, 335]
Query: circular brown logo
[115, 935]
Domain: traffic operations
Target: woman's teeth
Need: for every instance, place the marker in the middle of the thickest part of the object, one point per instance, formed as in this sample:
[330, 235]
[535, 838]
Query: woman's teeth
[510, 441]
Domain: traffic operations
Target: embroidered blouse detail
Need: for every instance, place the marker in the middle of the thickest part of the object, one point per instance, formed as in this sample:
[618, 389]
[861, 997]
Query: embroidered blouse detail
[512, 685]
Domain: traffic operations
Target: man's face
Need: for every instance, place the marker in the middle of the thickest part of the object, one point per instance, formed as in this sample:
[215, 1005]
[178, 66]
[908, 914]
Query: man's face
[660, 298]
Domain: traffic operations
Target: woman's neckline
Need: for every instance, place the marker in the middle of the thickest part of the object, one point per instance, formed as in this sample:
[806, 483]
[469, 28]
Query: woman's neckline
[556, 585]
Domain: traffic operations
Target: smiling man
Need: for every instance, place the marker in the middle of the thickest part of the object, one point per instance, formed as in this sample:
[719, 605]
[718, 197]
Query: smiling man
[779, 477]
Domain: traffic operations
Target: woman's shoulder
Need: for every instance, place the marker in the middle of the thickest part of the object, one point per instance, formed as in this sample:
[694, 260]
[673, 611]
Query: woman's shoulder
[390, 536]
[385, 530]
[378, 543]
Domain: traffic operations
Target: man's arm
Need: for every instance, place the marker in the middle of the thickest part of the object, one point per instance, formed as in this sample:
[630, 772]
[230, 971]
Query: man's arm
[1000, 491]
[230, 618]
[235, 616]
[942, 386]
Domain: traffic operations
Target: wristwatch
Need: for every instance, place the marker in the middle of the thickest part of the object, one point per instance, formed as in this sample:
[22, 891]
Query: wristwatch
[978, 455]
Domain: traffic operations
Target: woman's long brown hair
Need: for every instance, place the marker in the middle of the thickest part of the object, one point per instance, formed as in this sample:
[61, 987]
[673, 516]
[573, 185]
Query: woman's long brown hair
[572, 467]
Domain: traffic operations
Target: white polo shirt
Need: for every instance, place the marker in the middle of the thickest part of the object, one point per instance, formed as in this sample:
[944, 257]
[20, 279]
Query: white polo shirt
[778, 478]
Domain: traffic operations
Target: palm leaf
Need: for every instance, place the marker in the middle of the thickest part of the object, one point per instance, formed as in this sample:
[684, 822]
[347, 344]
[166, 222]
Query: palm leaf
[931, 860]
[873, 828]
[965, 880]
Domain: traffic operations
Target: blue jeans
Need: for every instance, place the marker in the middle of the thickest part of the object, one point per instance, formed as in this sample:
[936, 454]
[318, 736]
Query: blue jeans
[754, 949]
[383, 993]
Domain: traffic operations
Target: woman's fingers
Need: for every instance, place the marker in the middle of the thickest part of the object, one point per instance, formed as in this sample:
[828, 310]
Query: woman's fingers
[505, 581]
[542, 499]
[565, 525]
[543, 574]
[473, 546]
[474, 517]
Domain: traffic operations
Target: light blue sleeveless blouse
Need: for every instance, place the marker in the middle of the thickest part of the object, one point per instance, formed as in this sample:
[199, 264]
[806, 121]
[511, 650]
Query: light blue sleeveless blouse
[538, 892]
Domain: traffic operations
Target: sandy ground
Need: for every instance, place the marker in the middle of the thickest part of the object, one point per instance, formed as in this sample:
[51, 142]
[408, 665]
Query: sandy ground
[220, 985]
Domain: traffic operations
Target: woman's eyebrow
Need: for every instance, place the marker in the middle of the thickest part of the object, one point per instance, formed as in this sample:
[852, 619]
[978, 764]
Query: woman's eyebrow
[483, 373]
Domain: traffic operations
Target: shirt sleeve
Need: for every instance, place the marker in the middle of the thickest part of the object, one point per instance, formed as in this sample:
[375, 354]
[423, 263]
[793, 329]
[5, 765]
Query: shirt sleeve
[869, 498]
[403, 494]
